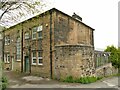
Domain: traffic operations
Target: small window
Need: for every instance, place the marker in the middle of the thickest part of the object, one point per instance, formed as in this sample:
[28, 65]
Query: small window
[39, 30]
[39, 53]
[7, 58]
[7, 40]
[34, 31]
[27, 35]
[34, 58]
[34, 61]
[18, 49]
[40, 34]
[40, 59]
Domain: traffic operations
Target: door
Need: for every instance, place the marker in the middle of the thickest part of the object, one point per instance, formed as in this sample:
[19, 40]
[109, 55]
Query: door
[26, 64]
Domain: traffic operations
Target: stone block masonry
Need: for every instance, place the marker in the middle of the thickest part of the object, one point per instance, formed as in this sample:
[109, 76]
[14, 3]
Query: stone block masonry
[74, 60]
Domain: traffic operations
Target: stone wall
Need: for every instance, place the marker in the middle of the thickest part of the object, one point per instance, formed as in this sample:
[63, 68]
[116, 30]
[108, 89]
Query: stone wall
[1, 43]
[71, 31]
[74, 60]
[58, 29]
[106, 70]
[1, 49]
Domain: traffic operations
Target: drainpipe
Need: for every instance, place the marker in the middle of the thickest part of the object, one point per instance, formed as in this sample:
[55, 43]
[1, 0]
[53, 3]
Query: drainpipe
[3, 44]
[30, 59]
[22, 49]
[51, 44]
[30, 51]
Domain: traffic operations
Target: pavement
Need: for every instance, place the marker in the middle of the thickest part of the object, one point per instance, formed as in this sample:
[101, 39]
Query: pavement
[28, 81]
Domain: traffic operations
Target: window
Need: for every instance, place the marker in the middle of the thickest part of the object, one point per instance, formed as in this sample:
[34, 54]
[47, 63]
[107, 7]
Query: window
[26, 35]
[18, 46]
[40, 60]
[34, 31]
[40, 34]
[7, 40]
[34, 58]
[7, 58]
[37, 30]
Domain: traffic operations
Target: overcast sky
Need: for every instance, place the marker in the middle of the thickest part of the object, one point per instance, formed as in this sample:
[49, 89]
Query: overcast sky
[102, 15]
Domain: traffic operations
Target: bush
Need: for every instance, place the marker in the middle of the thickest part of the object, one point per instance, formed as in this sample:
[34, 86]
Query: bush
[4, 83]
[83, 80]
[69, 79]
[4, 86]
[4, 79]
[98, 78]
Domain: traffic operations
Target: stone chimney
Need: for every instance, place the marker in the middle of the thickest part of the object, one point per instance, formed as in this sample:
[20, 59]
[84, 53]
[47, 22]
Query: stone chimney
[76, 16]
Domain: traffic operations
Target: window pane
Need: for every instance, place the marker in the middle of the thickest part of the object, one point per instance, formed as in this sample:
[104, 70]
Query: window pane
[39, 28]
[34, 35]
[34, 60]
[40, 60]
[40, 34]
[34, 54]
[34, 30]
[26, 35]
[18, 56]
[7, 40]
[40, 54]
[18, 46]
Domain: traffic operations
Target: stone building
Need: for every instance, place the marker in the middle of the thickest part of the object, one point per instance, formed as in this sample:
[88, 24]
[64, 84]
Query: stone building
[52, 44]
[1, 42]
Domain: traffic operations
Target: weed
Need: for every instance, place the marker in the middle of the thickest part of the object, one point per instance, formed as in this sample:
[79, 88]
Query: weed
[83, 80]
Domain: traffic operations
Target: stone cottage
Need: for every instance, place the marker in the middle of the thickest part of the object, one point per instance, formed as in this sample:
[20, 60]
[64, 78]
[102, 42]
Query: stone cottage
[52, 44]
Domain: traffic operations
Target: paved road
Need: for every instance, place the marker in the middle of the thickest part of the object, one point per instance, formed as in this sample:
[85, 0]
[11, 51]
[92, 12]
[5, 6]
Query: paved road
[107, 83]
[38, 82]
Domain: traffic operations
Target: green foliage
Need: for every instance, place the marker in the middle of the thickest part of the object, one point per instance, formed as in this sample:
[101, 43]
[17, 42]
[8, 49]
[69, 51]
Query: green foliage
[86, 80]
[83, 80]
[114, 56]
[4, 79]
[4, 83]
[69, 79]
[98, 78]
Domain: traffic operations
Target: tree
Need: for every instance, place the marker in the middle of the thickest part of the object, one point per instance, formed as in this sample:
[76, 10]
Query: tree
[12, 10]
[114, 56]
